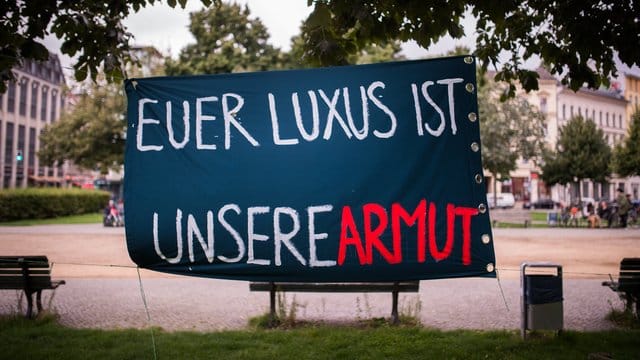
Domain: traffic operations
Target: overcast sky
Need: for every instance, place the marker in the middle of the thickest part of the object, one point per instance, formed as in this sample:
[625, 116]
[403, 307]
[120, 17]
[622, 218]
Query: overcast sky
[166, 28]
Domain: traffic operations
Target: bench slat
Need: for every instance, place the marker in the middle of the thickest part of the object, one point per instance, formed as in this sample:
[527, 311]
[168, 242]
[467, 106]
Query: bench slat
[37, 261]
[628, 279]
[35, 283]
[42, 258]
[28, 273]
[412, 286]
[16, 271]
[16, 265]
[26, 257]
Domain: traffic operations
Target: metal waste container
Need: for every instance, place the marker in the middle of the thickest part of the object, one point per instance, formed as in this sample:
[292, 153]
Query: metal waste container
[541, 297]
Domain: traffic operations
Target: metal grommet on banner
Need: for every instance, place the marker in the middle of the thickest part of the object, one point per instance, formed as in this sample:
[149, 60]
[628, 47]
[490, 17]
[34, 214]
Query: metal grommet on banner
[478, 179]
[475, 147]
[470, 87]
[468, 59]
[482, 208]
[135, 84]
[486, 238]
[472, 116]
[490, 267]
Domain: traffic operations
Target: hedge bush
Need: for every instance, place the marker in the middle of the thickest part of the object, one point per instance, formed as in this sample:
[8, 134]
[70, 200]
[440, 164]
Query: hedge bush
[43, 203]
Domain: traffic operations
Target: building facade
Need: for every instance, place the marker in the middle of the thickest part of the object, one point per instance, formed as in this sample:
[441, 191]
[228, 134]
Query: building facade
[628, 82]
[29, 104]
[610, 111]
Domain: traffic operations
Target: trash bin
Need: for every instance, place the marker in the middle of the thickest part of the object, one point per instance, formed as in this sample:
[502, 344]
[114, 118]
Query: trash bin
[541, 298]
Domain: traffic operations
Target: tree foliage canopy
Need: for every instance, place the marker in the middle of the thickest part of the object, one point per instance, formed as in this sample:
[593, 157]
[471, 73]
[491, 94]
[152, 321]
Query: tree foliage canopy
[508, 130]
[581, 153]
[554, 30]
[577, 40]
[626, 159]
[227, 40]
[91, 28]
[92, 135]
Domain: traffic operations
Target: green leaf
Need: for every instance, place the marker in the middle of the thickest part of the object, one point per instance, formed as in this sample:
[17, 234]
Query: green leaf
[320, 17]
[34, 50]
[80, 73]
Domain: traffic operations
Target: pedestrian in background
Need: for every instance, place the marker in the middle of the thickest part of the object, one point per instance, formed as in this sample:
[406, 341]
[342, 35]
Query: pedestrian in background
[592, 217]
[604, 212]
[623, 207]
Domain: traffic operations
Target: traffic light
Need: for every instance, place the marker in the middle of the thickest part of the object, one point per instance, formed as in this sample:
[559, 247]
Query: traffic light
[19, 155]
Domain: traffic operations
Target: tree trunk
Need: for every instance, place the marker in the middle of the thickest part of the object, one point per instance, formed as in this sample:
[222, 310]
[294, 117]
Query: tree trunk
[495, 190]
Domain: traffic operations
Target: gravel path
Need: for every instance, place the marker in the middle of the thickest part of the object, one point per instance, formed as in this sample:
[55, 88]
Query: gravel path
[210, 304]
[108, 297]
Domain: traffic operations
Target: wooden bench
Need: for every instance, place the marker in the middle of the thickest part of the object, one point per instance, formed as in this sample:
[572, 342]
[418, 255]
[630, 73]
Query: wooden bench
[393, 287]
[628, 284]
[32, 274]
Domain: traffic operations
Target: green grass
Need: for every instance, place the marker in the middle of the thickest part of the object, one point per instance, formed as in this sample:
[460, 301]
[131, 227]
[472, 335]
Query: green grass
[507, 225]
[537, 219]
[45, 339]
[538, 216]
[75, 219]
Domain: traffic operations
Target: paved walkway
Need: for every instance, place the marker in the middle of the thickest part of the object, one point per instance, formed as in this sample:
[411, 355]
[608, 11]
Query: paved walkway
[210, 304]
[111, 297]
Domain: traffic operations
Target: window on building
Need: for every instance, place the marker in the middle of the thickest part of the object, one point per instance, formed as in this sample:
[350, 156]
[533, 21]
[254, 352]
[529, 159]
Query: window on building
[564, 111]
[543, 105]
[21, 147]
[54, 104]
[579, 111]
[1, 101]
[41, 168]
[571, 111]
[593, 115]
[7, 165]
[34, 100]
[585, 189]
[600, 121]
[31, 154]
[43, 105]
[620, 121]
[607, 117]
[11, 97]
[22, 107]
[8, 145]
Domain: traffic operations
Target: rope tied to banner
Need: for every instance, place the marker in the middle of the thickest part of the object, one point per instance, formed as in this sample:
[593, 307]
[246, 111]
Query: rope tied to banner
[146, 309]
[502, 291]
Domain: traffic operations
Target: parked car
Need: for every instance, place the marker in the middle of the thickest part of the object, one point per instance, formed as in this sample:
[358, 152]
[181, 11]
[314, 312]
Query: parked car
[540, 204]
[503, 201]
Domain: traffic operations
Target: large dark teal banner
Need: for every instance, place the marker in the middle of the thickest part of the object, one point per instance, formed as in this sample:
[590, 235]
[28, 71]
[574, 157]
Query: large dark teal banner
[355, 173]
